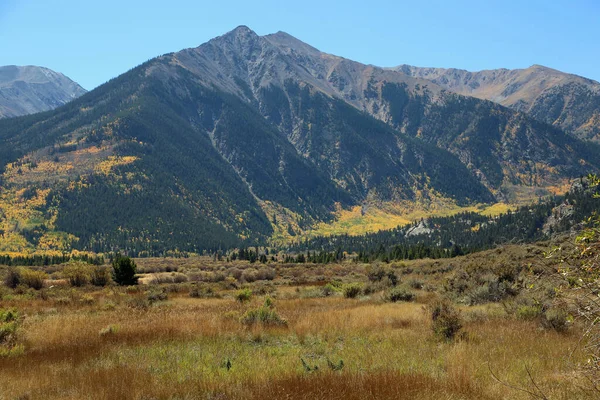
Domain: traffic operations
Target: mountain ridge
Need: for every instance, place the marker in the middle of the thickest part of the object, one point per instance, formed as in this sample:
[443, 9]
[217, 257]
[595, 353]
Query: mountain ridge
[247, 137]
[568, 101]
[30, 89]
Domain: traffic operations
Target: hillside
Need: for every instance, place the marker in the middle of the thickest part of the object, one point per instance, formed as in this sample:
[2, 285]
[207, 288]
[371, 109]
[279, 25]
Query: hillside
[569, 102]
[29, 89]
[246, 137]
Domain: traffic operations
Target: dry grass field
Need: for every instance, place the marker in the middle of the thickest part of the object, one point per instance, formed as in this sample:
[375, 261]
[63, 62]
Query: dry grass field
[201, 329]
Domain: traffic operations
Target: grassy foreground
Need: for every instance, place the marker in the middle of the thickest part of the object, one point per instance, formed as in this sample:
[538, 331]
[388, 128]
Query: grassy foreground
[192, 339]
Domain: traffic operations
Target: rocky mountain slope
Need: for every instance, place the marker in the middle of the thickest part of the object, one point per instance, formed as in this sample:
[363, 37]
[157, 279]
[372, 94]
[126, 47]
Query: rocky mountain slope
[29, 89]
[247, 135]
[569, 102]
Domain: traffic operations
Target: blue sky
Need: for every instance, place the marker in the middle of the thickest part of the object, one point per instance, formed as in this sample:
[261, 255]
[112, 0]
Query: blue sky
[93, 41]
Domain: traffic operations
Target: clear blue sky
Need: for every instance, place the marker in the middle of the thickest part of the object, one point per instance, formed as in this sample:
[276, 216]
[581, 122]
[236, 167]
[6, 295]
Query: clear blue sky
[93, 41]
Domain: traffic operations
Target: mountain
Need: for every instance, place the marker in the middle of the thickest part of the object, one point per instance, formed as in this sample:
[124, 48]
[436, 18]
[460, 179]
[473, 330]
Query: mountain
[248, 136]
[28, 90]
[569, 102]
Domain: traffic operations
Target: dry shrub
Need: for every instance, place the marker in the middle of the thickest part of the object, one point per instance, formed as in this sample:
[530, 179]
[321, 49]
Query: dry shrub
[352, 290]
[32, 278]
[12, 278]
[399, 294]
[77, 273]
[447, 321]
[100, 275]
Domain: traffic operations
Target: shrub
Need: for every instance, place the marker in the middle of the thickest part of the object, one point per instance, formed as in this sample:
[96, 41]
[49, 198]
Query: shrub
[243, 295]
[328, 290]
[9, 320]
[9, 315]
[138, 302]
[250, 275]
[377, 273]
[527, 312]
[447, 321]
[352, 290]
[399, 294]
[124, 270]
[264, 315]
[7, 332]
[77, 273]
[32, 279]
[109, 330]
[202, 292]
[12, 278]
[556, 318]
[415, 284]
[155, 296]
[99, 276]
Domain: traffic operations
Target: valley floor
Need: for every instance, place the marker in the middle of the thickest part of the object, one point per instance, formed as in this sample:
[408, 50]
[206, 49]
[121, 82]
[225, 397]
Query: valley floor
[190, 340]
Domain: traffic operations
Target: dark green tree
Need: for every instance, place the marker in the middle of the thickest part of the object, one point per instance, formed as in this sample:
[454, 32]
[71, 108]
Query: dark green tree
[124, 270]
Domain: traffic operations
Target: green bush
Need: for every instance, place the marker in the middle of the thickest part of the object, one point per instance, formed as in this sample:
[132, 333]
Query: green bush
[264, 315]
[9, 315]
[124, 270]
[9, 323]
[352, 290]
[7, 331]
[243, 295]
[447, 321]
[399, 294]
[328, 290]
[528, 312]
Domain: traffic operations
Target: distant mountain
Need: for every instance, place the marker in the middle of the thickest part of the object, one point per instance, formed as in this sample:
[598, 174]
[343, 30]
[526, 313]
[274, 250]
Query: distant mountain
[567, 101]
[27, 90]
[245, 137]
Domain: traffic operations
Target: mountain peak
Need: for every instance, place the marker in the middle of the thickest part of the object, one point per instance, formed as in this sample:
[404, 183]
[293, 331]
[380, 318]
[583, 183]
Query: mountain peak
[241, 31]
[30, 89]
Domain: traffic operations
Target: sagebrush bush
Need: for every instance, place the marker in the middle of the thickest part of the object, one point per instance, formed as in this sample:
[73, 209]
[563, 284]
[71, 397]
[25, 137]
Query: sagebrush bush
[378, 273]
[446, 319]
[157, 295]
[415, 284]
[556, 318]
[399, 294]
[199, 292]
[352, 290]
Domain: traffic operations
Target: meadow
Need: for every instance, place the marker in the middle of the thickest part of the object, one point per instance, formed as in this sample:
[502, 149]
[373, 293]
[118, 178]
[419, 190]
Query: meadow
[200, 328]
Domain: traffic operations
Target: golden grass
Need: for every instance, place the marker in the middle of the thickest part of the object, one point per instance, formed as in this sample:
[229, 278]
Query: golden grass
[177, 349]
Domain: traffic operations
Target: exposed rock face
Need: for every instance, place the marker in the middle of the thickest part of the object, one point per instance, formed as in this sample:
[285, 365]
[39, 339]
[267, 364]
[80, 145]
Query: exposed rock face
[27, 90]
[567, 101]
